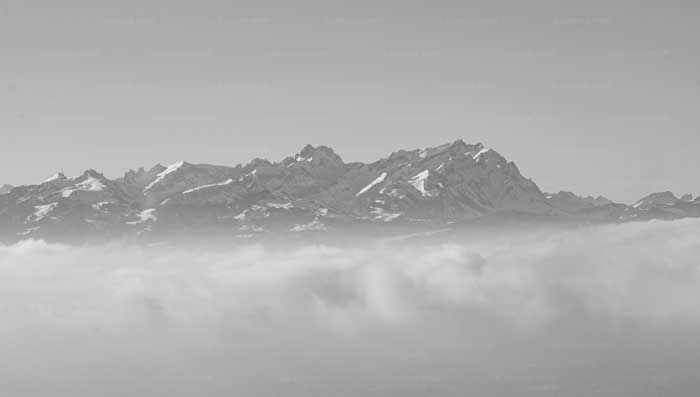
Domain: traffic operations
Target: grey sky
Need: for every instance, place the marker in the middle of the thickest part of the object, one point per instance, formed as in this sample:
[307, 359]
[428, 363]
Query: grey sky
[598, 97]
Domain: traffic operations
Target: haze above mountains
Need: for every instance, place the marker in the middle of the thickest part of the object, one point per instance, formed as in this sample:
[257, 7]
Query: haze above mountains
[444, 187]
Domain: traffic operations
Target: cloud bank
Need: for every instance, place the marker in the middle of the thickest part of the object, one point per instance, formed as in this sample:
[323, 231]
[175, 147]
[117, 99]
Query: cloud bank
[496, 314]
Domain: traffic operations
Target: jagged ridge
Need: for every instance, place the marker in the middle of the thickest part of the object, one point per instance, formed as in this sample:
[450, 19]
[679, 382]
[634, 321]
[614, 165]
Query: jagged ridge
[311, 190]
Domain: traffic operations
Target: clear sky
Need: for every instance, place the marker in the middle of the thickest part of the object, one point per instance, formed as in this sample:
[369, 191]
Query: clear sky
[598, 97]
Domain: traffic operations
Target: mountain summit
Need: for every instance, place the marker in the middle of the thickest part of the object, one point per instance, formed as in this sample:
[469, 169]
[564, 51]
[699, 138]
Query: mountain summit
[312, 190]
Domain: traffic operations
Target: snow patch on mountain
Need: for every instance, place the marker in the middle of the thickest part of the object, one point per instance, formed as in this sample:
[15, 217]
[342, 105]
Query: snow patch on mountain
[381, 214]
[372, 184]
[248, 175]
[91, 184]
[41, 212]
[251, 228]
[28, 231]
[285, 206]
[418, 182]
[322, 212]
[98, 206]
[224, 183]
[145, 216]
[169, 170]
[311, 226]
[479, 153]
[254, 210]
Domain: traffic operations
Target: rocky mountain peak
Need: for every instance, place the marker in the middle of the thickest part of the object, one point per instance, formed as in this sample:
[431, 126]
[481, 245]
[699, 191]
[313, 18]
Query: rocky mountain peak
[653, 200]
[58, 177]
[91, 173]
[599, 200]
[140, 178]
[459, 143]
[156, 168]
[459, 146]
[259, 162]
[307, 151]
[317, 155]
[460, 149]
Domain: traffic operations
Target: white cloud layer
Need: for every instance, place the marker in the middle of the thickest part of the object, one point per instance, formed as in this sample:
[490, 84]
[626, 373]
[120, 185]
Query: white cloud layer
[505, 312]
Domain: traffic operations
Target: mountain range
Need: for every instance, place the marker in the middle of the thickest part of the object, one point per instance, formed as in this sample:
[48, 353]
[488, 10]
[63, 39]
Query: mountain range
[451, 185]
